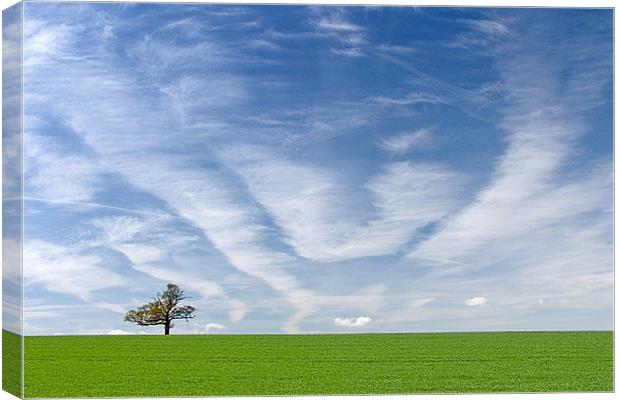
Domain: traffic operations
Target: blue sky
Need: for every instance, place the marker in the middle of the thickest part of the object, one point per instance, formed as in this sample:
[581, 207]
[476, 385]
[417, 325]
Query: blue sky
[318, 169]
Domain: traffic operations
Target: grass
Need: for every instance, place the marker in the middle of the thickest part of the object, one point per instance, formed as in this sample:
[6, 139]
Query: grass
[11, 363]
[108, 366]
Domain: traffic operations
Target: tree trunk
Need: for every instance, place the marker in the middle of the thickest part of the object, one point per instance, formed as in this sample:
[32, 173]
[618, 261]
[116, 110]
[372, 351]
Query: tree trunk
[167, 328]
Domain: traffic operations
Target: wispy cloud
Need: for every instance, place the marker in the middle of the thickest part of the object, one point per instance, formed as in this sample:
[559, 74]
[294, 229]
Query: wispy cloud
[526, 179]
[265, 45]
[482, 34]
[395, 49]
[537, 221]
[354, 52]
[337, 27]
[47, 41]
[230, 225]
[317, 213]
[334, 21]
[410, 99]
[488, 26]
[245, 192]
[147, 242]
[406, 142]
[417, 303]
[63, 270]
[58, 175]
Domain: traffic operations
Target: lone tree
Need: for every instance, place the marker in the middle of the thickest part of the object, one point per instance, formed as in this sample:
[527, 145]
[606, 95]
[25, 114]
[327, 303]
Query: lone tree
[162, 310]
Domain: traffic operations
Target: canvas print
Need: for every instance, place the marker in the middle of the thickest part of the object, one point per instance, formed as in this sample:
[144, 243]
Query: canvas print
[229, 199]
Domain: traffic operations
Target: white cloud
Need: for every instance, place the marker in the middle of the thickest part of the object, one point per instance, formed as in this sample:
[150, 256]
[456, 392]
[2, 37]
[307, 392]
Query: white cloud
[139, 253]
[202, 196]
[118, 332]
[65, 270]
[214, 328]
[352, 322]
[510, 226]
[531, 197]
[539, 224]
[147, 240]
[319, 214]
[406, 142]
[476, 302]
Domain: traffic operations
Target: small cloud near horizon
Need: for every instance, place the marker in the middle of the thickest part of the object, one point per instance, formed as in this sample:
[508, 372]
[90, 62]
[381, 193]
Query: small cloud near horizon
[352, 322]
[214, 328]
[476, 302]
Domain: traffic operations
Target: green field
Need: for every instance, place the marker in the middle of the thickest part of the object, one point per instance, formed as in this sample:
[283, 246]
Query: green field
[11, 363]
[107, 366]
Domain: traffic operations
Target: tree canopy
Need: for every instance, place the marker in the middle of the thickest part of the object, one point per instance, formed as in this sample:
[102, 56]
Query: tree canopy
[162, 310]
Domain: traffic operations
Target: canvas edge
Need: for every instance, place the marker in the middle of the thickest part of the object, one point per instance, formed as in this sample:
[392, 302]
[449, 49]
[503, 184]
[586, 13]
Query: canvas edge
[12, 201]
